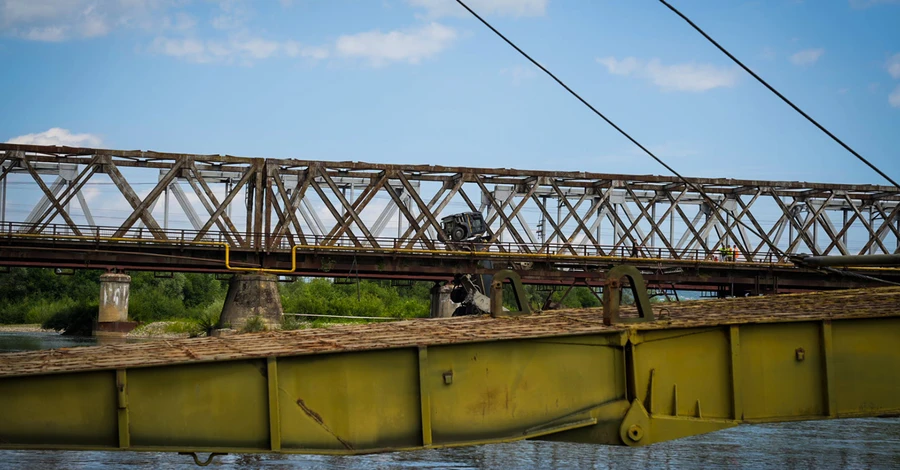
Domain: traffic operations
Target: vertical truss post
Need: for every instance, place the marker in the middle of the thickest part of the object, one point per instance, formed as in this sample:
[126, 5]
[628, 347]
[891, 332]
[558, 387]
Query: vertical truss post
[260, 190]
[3, 200]
[166, 208]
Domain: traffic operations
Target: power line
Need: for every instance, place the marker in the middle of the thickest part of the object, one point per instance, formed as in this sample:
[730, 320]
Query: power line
[703, 194]
[695, 187]
[783, 98]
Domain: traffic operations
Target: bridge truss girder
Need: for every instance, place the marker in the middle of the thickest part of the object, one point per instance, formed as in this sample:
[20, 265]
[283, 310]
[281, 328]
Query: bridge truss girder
[265, 205]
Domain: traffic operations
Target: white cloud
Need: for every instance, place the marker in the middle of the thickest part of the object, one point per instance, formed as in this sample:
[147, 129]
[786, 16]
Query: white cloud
[256, 48]
[181, 22]
[55, 20]
[894, 97]
[46, 34]
[893, 66]
[58, 136]
[397, 46]
[678, 77]
[295, 49]
[243, 50]
[807, 56]
[516, 8]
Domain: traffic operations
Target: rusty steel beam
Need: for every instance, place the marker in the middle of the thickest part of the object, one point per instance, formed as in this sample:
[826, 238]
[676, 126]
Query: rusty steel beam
[809, 213]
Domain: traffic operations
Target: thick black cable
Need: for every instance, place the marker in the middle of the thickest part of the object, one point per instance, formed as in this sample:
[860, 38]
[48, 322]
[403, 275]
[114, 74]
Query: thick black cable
[783, 98]
[693, 186]
[847, 273]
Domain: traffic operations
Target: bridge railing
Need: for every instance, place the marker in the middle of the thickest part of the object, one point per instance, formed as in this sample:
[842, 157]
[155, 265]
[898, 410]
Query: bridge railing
[375, 245]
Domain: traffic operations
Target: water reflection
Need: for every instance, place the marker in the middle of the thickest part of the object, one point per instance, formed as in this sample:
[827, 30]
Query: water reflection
[854, 443]
[34, 340]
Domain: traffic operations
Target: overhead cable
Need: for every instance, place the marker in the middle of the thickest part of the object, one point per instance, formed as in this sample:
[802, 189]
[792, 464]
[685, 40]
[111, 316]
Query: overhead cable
[693, 186]
[783, 98]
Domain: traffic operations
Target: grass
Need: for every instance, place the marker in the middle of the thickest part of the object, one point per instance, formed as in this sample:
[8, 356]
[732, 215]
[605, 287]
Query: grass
[254, 324]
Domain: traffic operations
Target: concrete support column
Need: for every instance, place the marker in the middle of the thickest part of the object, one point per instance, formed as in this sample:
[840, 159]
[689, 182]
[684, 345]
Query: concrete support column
[252, 295]
[112, 321]
[441, 305]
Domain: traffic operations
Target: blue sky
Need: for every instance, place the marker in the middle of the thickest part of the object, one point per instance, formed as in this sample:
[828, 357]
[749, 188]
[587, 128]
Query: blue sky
[418, 81]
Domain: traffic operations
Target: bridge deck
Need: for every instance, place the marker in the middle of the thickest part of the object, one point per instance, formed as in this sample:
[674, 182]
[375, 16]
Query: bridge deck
[562, 375]
[834, 305]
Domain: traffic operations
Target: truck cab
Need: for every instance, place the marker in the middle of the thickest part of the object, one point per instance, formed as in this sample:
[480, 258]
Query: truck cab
[463, 226]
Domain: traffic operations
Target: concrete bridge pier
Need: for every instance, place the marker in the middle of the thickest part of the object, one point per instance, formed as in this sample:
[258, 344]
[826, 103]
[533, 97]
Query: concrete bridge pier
[252, 295]
[441, 305]
[112, 322]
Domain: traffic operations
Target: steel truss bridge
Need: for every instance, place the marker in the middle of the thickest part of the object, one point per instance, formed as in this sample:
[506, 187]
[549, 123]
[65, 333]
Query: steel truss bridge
[97, 208]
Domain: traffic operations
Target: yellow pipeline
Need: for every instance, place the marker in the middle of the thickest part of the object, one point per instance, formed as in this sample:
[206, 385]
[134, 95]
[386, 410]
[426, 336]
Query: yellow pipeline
[320, 248]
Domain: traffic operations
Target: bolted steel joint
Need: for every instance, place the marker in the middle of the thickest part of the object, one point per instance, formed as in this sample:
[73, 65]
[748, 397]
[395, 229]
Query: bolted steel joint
[635, 432]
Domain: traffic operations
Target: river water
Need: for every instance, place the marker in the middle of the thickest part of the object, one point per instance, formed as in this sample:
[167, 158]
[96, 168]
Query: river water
[849, 443]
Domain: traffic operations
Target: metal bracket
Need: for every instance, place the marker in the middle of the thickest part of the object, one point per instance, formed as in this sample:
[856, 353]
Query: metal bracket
[612, 296]
[518, 292]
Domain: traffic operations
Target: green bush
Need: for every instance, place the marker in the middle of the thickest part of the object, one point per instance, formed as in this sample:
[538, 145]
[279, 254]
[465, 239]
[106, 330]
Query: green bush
[35, 295]
[42, 310]
[12, 313]
[154, 304]
[191, 327]
[254, 324]
[291, 322]
[207, 319]
[77, 320]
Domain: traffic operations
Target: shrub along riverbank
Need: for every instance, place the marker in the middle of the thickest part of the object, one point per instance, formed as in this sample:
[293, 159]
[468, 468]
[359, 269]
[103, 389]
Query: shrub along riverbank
[192, 302]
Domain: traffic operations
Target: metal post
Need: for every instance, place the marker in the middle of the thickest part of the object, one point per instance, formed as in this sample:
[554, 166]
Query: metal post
[672, 225]
[846, 212]
[790, 223]
[705, 222]
[399, 218]
[69, 204]
[227, 192]
[3, 201]
[543, 222]
[871, 221]
[815, 247]
[653, 224]
[166, 208]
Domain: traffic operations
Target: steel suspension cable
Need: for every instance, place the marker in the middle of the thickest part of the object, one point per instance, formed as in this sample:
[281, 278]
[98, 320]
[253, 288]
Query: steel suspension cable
[693, 186]
[783, 98]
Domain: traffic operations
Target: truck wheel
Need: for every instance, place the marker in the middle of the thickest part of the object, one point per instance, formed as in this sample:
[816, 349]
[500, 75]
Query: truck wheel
[458, 294]
[457, 234]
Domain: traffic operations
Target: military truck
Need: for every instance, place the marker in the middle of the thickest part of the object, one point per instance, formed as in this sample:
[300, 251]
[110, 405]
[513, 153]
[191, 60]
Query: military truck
[463, 226]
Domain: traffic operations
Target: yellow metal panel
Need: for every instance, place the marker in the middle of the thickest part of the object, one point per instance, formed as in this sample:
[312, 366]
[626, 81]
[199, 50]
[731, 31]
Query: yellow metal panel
[867, 365]
[206, 405]
[350, 401]
[694, 364]
[504, 389]
[71, 409]
[783, 371]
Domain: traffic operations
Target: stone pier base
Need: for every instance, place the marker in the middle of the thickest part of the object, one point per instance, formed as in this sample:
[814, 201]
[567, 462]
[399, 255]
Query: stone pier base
[441, 305]
[251, 295]
[112, 321]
